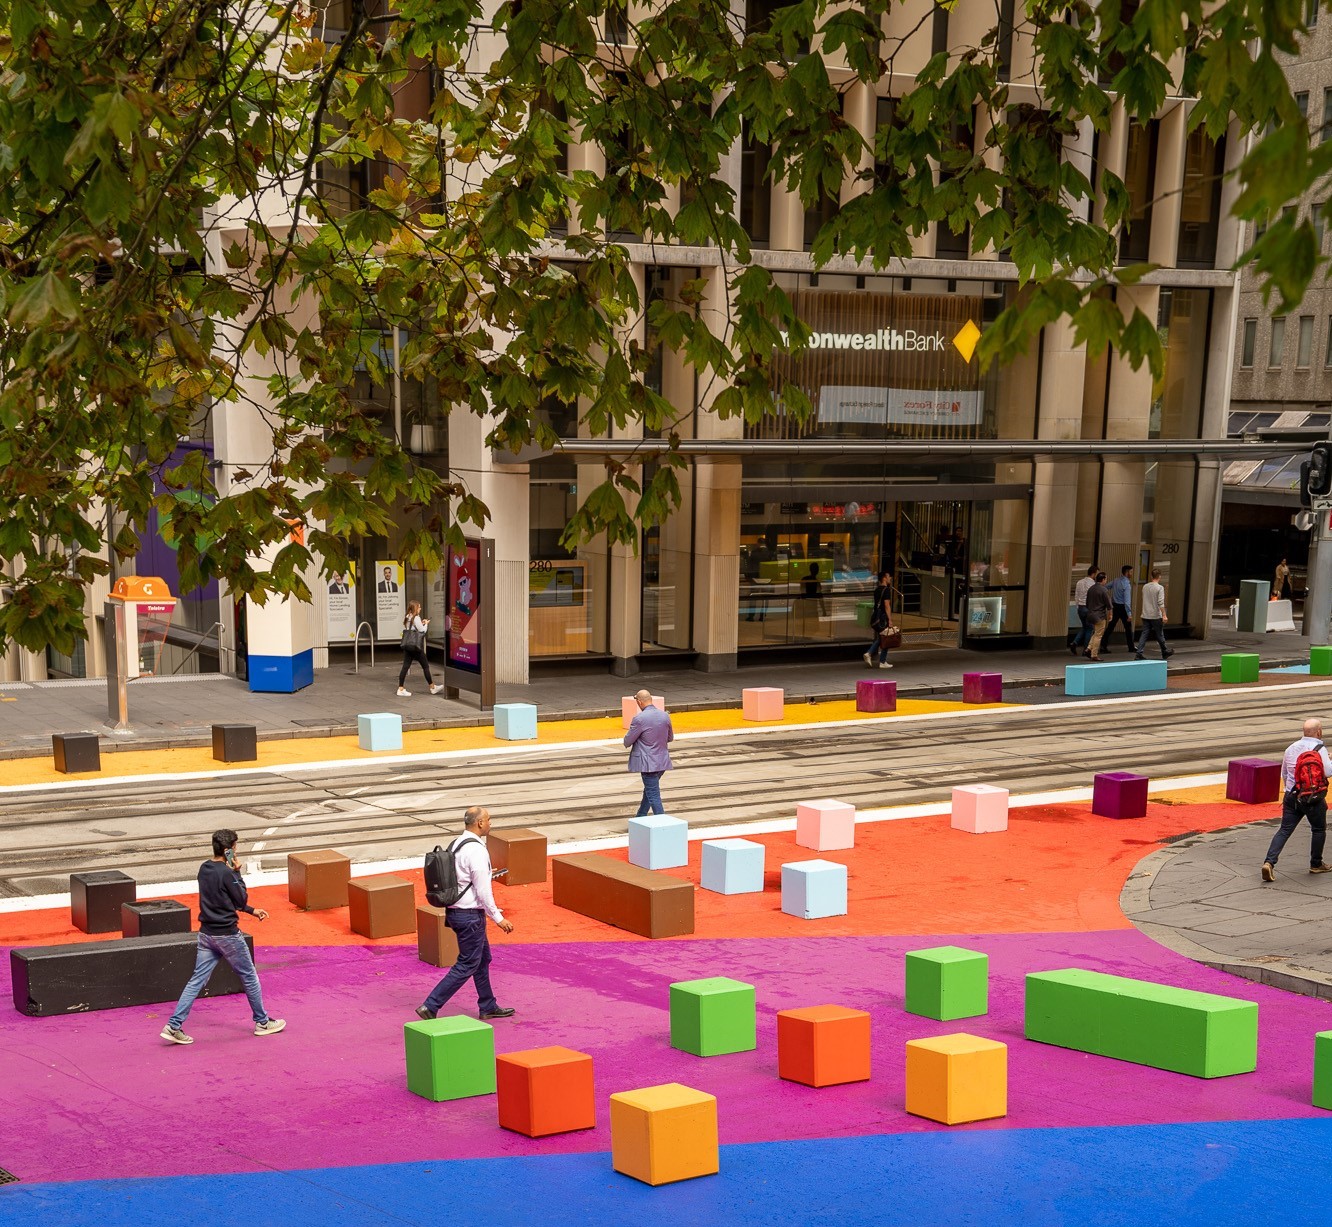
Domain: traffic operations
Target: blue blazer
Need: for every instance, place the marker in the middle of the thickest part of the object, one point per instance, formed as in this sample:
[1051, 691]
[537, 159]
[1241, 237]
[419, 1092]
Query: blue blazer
[649, 733]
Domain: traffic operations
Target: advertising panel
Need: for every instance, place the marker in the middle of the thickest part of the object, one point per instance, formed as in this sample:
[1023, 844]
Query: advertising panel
[390, 599]
[463, 645]
[342, 605]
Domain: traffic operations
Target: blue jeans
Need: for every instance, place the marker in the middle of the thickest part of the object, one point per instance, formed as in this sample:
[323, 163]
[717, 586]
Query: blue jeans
[651, 802]
[1153, 628]
[212, 950]
[1292, 810]
[469, 923]
[1083, 637]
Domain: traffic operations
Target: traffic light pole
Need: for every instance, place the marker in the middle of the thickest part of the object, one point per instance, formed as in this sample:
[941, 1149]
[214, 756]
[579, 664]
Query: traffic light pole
[1318, 588]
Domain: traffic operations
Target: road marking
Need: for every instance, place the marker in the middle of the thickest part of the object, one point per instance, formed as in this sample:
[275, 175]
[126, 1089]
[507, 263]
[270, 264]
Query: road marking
[563, 747]
[271, 831]
[893, 813]
[257, 847]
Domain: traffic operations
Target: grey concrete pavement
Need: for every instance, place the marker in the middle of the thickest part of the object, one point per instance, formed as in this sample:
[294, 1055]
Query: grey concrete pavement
[178, 711]
[1204, 896]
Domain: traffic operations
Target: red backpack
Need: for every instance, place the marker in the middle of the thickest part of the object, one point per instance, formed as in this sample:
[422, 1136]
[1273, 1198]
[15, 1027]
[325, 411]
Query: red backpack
[1310, 777]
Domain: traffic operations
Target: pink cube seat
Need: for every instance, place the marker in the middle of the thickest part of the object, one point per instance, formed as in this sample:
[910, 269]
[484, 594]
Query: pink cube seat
[825, 825]
[762, 702]
[629, 707]
[982, 688]
[980, 808]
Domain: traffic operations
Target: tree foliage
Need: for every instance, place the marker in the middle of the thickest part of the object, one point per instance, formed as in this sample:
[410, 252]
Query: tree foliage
[166, 246]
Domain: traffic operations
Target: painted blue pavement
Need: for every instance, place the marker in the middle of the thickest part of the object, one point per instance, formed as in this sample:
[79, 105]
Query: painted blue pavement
[1289, 669]
[1217, 1174]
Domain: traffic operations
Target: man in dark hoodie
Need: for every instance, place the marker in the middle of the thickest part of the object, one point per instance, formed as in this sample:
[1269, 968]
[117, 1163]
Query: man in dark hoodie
[222, 894]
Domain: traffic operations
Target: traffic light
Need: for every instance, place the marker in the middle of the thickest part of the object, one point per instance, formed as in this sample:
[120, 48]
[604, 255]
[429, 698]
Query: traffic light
[1320, 470]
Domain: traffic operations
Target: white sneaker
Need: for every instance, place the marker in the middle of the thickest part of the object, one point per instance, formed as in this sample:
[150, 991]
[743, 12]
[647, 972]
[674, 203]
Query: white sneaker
[866, 659]
[436, 689]
[404, 694]
[271, 1027]
[174, 1035]
[883, 664]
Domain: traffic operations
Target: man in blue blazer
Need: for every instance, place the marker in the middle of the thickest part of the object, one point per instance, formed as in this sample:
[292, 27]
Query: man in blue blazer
[649, 734]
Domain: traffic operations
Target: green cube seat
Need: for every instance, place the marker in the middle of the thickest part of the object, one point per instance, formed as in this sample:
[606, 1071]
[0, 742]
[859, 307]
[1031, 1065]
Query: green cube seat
[947, 982]
[1322, 1086]
[1169, 1028]
[1239, 667]
[1320, 662]
[450, 1058]
[713, 1016]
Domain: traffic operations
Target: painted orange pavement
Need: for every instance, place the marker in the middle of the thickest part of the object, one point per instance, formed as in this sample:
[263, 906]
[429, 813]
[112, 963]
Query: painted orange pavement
[1057, 868]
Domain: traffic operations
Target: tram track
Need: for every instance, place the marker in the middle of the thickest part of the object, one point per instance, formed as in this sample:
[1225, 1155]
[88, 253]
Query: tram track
[386, 810]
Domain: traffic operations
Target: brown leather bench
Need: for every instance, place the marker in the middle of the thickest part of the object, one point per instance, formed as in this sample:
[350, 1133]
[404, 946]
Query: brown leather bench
[642, 901]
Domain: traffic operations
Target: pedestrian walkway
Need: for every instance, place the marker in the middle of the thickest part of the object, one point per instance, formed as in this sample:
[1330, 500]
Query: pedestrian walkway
[179, 711]
[1204, 897]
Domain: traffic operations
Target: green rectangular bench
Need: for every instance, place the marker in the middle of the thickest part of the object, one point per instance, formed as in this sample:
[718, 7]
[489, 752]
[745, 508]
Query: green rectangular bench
[1149, 1024]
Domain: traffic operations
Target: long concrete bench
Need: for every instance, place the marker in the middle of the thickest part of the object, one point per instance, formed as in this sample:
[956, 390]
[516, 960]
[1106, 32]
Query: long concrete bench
[106, 975]
[641, 901]
[1170, 1028]
[1115, 677]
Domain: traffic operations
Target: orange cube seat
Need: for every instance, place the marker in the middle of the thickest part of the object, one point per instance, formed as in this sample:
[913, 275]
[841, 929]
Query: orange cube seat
[823, 1045]
[545, 1090]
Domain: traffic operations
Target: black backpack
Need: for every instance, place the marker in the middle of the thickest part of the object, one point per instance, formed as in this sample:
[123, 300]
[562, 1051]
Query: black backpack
[441, 873]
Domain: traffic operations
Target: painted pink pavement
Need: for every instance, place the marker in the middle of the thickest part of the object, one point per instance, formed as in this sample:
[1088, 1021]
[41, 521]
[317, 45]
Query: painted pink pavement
[105, 1098]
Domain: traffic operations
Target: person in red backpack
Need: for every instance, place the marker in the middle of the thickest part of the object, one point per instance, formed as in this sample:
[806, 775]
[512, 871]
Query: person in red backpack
[1305, 770]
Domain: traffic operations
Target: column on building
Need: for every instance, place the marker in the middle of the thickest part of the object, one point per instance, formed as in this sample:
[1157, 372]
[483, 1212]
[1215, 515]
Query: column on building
[716, 511]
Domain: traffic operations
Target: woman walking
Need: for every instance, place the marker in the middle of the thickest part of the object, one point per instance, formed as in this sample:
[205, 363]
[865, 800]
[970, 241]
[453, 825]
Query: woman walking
[414, 649]
[880, 620]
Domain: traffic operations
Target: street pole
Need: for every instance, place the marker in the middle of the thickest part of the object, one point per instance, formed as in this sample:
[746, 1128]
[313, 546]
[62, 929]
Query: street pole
[1318, 587]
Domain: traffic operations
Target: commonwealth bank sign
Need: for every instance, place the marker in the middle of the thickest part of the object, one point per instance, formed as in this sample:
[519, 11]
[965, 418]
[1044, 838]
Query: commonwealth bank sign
[903, 340]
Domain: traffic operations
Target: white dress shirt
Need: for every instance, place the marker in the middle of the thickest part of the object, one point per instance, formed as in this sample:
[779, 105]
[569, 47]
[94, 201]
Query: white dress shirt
[1081, 588]
[1293, 751]
[473, 861]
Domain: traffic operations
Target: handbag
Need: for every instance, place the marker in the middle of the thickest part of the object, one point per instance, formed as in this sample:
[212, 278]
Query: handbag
[890, 637]
[413, 639]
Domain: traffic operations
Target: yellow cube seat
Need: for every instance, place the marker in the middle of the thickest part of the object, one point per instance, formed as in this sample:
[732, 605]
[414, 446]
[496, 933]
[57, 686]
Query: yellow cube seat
[661, 1134]
[956, 1078]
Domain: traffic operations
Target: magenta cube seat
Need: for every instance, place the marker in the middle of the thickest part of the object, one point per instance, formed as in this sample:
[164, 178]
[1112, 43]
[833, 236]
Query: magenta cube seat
[1119, 794]
[982, 688]
[762, 702]
[876, 696]
[1255, 781]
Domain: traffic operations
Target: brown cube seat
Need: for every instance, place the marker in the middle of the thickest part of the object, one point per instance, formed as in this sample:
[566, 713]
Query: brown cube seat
[521, 852]
[643, 901]
[381, 906]
[318, 880]
[436, 943]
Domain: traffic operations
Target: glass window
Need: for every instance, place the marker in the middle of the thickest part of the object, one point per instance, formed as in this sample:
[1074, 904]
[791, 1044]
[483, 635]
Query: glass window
[1304, 351]
[1200, 200]
[617, 23]
[1250, 338]
[755, 189]
[957, 151]
[1176, 411]
[1302, 101]
[1326, 131]
[1140, 182]
[1327, 356]
[1311, 13]
[1277, 342]
[562, 616]
[1319, 223]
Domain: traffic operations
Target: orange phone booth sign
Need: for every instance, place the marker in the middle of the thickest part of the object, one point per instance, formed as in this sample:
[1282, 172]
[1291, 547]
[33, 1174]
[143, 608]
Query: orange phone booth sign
[138, 616]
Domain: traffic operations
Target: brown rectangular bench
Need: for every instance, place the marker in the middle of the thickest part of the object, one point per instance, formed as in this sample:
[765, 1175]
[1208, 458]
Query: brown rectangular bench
[640, 900]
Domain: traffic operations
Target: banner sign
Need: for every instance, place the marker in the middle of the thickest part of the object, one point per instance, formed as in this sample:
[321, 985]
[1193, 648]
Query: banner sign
[900, 406]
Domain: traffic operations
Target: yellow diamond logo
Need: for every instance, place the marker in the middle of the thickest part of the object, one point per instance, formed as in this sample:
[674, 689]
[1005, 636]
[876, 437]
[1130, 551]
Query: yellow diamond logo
[965, 341]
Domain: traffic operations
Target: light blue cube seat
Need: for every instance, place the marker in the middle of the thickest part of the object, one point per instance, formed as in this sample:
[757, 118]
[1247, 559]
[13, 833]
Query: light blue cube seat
[658, 841]
[1115, 677]
[814, 889]
[381, 730]
[732, 866]
[516, 721]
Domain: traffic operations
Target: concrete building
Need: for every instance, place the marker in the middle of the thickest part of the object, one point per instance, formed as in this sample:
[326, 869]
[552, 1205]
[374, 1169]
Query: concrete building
[986, 495]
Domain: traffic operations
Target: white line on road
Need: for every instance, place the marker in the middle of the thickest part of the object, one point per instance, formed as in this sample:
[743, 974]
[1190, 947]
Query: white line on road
[893, 813]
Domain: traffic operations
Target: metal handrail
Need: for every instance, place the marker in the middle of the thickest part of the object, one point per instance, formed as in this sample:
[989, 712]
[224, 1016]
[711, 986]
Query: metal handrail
[356, 646]
[217, 626]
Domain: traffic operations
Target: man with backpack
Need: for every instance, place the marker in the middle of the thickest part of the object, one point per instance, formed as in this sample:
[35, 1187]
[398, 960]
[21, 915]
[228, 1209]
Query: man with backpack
[1305, 769]
[458, 879]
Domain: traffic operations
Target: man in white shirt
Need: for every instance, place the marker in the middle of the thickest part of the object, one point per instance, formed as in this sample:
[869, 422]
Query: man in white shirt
[467, 918]
[1153, 617]
[1080, 590]
[1294, 807]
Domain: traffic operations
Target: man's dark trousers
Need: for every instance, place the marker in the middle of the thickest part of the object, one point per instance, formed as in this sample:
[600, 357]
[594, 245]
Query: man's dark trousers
[469, 923]
[1292, 810]
[1120, 613]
